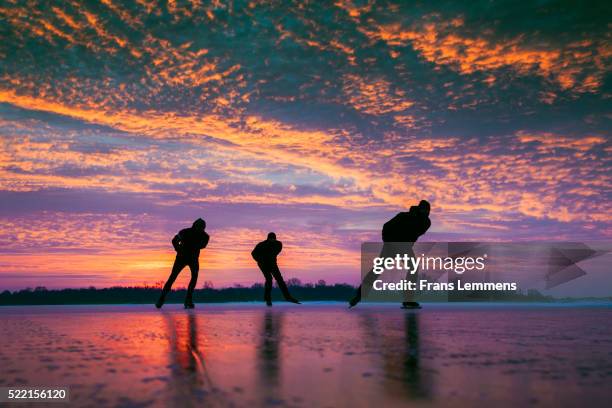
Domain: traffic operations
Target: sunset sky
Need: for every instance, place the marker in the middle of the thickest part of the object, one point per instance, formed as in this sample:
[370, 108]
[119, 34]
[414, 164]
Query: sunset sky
[123, 121]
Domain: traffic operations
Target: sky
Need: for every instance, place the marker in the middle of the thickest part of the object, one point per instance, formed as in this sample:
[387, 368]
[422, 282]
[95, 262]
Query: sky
[122, 122]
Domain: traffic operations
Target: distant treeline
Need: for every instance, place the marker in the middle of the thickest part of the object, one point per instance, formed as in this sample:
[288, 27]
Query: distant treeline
[142, 295]
[208, 294]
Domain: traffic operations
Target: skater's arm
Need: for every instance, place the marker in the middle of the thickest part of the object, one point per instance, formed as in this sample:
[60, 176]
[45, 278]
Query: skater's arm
[426, 225]
[280, 247]
[257, 252]
[176, 242]
[205, 240]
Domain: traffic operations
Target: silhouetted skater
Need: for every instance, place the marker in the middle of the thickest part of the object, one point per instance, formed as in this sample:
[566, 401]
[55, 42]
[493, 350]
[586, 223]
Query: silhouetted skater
[187, 244]
[405, 227]
[265, 254]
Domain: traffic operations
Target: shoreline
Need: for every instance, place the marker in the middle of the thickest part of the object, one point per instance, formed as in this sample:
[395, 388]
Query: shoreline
[310, 305]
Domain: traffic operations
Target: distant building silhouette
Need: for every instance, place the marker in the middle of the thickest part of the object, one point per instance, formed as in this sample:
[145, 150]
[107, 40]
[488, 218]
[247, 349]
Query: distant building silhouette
[265, 254]
[187, 243]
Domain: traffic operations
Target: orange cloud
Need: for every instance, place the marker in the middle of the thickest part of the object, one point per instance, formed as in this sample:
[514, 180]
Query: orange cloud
[549, 141]
[440, 43]
[374, 97]
[459, 175]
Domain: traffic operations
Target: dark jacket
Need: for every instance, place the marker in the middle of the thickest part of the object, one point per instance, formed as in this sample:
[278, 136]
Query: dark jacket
[189, 241]
[266, 251]
[406, 226]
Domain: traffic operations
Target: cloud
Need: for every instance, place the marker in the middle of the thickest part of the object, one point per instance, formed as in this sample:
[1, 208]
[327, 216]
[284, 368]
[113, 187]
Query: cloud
[317, 120]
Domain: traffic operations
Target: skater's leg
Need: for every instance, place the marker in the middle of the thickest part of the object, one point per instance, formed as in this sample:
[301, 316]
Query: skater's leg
[268, 285]
[409, 295]
[367, 283]
[194, 267]
[179, 264]
[282, 285]
[388, 250]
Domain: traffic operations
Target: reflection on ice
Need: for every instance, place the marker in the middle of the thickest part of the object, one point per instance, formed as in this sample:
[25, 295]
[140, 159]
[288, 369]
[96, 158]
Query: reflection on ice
[239, 355]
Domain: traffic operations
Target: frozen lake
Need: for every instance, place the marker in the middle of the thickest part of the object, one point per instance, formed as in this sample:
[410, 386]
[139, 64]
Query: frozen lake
[312, 355]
